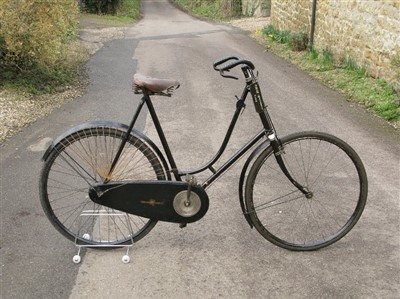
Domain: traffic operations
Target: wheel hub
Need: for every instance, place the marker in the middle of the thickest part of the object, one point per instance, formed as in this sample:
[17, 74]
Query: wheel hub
[309, 195]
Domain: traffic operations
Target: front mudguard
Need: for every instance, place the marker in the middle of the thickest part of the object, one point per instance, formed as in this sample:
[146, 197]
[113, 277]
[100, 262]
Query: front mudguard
[260, 148]
[110, 124]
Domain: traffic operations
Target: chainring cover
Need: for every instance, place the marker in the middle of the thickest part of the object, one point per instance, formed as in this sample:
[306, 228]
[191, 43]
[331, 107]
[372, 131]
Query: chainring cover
[156, 200]
[187, 205]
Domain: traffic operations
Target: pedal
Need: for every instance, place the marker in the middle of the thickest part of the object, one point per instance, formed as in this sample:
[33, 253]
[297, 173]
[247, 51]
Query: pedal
[182, 225]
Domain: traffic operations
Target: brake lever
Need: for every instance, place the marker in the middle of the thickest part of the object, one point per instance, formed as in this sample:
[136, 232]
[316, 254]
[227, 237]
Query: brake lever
[228, 76]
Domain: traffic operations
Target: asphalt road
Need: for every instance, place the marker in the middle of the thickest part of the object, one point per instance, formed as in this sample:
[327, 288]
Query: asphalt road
[219, 256]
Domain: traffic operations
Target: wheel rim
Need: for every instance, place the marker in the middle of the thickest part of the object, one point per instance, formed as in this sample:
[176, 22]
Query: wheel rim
[85, 158]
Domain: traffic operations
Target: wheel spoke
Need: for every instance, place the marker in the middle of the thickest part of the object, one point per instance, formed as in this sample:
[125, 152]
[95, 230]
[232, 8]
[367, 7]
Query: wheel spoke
[85, 158]
[334, 176]
[273, 203]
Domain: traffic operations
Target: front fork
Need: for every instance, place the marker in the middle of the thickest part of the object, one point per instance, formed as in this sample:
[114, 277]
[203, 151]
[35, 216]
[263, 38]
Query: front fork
[254, 88]
[278, 153]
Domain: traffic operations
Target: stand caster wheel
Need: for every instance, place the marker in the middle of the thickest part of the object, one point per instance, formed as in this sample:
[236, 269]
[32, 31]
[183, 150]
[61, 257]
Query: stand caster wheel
[76, 259]
[126, 259]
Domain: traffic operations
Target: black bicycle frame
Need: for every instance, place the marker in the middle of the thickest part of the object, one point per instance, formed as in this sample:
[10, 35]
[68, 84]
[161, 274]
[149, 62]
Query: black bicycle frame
[240, 105]
[216, 173]
[252, 86]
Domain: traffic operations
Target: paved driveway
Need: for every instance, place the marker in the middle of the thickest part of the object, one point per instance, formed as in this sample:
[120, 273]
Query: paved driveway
[219, 256]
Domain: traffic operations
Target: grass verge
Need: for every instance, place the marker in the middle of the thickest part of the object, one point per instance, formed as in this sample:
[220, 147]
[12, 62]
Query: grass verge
[128, 10]
[210, 10]
[345, 76]
[215, 10]
[37, 80]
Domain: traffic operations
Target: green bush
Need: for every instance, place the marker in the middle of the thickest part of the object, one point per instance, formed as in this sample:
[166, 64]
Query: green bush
[101, 6]
[282, 37]
[128, 8]
[34, 32]
[2, 49]
[299, 41]
[214, 9]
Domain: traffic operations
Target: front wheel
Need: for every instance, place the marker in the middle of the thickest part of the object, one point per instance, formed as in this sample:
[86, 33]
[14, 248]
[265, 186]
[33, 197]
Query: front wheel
[325, 166]
[79, 161]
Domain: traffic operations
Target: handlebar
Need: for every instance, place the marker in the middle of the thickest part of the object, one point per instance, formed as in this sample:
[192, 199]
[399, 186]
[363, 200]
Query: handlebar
[231, 65]
[223, 60]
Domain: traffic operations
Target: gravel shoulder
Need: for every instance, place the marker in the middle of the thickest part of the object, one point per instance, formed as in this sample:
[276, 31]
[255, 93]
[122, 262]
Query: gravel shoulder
[20, 110]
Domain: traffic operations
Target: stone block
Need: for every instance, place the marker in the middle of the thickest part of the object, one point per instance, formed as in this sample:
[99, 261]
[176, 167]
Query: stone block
[257, 8]
[368, 30]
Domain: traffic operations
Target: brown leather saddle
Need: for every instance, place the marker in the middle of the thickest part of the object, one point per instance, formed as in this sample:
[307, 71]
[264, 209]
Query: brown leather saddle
[155, 86]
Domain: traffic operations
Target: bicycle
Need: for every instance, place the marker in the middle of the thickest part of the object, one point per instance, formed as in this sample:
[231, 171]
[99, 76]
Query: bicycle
[301, 192]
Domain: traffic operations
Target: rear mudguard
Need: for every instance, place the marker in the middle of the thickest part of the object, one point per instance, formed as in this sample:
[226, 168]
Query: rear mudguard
[111, 124]
[243, 175]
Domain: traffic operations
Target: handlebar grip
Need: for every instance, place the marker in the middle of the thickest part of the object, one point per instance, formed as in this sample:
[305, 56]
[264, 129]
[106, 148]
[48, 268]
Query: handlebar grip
[223, 60]
[236, 63]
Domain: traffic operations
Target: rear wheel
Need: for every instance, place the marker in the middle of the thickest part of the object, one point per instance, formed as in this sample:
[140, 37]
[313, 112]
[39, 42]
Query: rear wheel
[76, 163]
[333, 174]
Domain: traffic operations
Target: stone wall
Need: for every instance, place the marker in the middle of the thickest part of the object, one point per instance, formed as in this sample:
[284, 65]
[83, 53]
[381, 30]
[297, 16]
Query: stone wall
[257, 8]
[366, 30]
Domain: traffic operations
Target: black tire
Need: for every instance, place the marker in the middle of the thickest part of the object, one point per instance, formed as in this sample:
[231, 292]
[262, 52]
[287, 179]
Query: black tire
[330, 169]
[78, 161]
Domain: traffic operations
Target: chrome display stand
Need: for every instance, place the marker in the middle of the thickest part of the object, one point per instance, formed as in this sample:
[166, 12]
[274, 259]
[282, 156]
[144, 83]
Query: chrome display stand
[99, 213]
